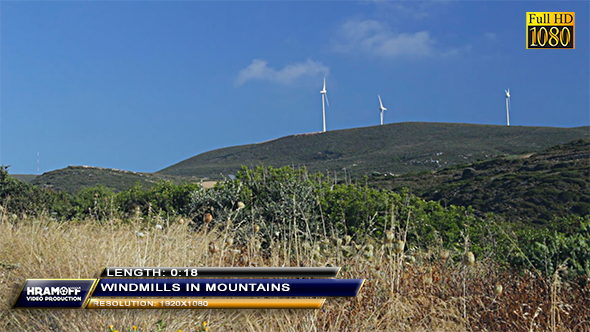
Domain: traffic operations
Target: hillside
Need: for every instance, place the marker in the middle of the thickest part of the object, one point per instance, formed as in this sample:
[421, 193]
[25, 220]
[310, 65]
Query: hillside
[27, 178]
[394, 148]
[74, 178]
[531, 187]
[389, 149]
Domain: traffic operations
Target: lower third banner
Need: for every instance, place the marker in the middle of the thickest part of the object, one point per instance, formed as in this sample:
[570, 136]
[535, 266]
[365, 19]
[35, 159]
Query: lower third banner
[75, 293]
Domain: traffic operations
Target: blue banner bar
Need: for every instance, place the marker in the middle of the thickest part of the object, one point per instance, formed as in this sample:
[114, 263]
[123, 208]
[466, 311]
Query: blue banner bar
[228, 287]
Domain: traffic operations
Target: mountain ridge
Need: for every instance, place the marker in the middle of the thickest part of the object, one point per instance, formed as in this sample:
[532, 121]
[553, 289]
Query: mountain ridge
[397, 148]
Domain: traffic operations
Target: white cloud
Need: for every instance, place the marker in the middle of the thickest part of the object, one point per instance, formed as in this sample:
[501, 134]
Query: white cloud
[376, 38]
[259, 70]
[456, 51]
[412, 8]
[490, 35]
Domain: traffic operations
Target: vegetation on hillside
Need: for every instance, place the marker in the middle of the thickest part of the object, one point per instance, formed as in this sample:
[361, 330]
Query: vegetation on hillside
[396, 148]
[27, 178]
[75, 178]
[532, 188]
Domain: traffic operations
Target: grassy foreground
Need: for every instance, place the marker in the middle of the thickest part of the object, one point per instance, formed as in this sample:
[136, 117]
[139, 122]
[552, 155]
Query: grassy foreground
[407, 291]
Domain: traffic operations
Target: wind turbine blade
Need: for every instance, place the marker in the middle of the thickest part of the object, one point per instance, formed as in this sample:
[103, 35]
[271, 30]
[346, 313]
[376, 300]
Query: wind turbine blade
[327, 101]
[324, 84]
[380, 103]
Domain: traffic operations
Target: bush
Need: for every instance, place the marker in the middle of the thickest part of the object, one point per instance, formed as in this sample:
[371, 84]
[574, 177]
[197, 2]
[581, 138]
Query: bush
[544, 249]
[95, 202]
[24, 199]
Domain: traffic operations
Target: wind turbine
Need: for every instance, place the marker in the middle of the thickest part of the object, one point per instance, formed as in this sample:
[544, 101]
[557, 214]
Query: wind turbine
[507, 106]
[381, 108]
[324, 93]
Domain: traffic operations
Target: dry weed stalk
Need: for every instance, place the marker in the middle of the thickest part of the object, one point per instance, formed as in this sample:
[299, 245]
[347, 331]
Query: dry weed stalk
[555, 287]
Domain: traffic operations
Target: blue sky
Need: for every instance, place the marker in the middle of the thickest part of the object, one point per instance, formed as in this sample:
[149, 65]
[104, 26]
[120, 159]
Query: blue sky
[143, 85]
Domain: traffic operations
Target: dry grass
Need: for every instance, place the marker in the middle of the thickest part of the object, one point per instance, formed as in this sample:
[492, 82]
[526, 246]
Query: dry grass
[429, 296]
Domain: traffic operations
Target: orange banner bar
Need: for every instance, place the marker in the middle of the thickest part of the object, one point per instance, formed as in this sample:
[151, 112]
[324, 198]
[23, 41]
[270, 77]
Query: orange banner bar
[132, 303]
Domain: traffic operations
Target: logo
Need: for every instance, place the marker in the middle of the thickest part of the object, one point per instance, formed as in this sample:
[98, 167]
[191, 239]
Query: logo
[55, 293]
[63, 291]
[550, 30]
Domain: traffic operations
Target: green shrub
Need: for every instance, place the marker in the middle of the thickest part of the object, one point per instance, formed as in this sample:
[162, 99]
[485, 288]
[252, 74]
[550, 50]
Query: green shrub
[24, 199]
[95, 202]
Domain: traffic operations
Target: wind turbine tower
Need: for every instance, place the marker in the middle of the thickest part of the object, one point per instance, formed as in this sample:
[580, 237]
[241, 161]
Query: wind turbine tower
[507, 106]
[324, 93]
[381, 108]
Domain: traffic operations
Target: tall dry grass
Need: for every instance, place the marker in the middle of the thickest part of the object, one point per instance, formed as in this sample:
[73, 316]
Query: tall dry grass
[404, 291]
